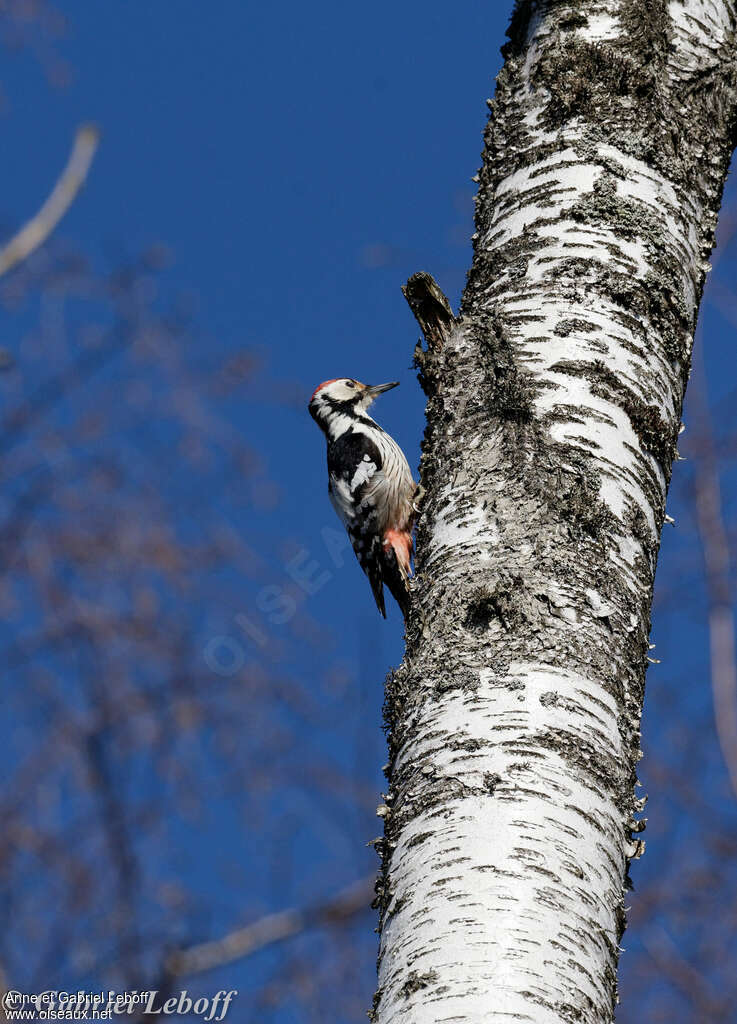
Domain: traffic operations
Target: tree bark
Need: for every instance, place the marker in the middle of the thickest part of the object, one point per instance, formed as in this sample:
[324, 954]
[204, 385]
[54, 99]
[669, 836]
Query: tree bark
[554, 405]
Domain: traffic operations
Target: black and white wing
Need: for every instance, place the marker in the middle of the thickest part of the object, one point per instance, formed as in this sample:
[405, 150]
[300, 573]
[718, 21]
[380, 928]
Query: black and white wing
[356, 487]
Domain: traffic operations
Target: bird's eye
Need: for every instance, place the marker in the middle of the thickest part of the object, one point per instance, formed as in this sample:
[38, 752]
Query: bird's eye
[350, 384]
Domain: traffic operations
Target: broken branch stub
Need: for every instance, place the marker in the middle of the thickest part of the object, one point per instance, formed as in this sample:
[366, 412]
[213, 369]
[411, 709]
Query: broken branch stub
[431, 309]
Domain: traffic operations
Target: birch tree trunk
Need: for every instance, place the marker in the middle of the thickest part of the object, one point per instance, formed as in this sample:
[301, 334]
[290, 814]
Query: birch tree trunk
[554, 404]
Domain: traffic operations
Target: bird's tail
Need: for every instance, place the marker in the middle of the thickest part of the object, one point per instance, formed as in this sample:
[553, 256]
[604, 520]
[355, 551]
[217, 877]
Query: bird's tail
[396, 580]
[373, 566]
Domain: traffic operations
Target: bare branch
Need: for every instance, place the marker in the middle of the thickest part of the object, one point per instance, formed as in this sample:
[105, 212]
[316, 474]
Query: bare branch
[37, 230]
[268, 931]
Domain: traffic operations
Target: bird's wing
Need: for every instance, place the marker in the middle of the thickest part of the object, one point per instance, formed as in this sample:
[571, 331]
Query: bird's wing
[363, 521]
[356, 492]
[357, 487]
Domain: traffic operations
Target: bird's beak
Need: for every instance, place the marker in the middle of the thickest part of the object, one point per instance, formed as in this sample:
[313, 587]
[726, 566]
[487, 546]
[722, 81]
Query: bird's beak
[378, 389]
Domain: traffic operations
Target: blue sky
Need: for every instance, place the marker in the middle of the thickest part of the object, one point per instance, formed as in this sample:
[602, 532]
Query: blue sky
[300, 163]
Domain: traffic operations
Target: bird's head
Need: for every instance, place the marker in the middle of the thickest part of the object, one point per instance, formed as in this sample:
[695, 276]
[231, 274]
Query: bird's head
[344, 396]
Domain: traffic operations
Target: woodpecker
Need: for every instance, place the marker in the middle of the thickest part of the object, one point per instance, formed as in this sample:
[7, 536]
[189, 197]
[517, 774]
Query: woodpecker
[369, 483]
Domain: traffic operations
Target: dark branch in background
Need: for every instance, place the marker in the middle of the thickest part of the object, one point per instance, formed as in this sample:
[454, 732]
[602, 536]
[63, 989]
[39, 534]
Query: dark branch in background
[692, 983]
[51, 391]
[113, 814]
[715, 546]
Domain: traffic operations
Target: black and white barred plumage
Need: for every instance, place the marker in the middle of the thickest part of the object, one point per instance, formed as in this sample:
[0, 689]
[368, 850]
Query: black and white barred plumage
[370, 485]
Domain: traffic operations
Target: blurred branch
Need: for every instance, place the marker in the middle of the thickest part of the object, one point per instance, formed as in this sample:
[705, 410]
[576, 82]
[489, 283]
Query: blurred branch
[3, 990]
[37, 230]
[721, 617]
[715, 543]
[119, 839]
[268, 931]
[715, 546]
[683, 975]
[52, 391]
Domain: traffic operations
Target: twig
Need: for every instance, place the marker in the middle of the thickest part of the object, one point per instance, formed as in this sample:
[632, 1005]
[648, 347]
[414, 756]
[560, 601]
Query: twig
[38, 228]
[270, 930]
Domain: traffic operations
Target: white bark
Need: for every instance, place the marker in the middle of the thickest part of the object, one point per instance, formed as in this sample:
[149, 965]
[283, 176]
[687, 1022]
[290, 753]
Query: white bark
[554, 407]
